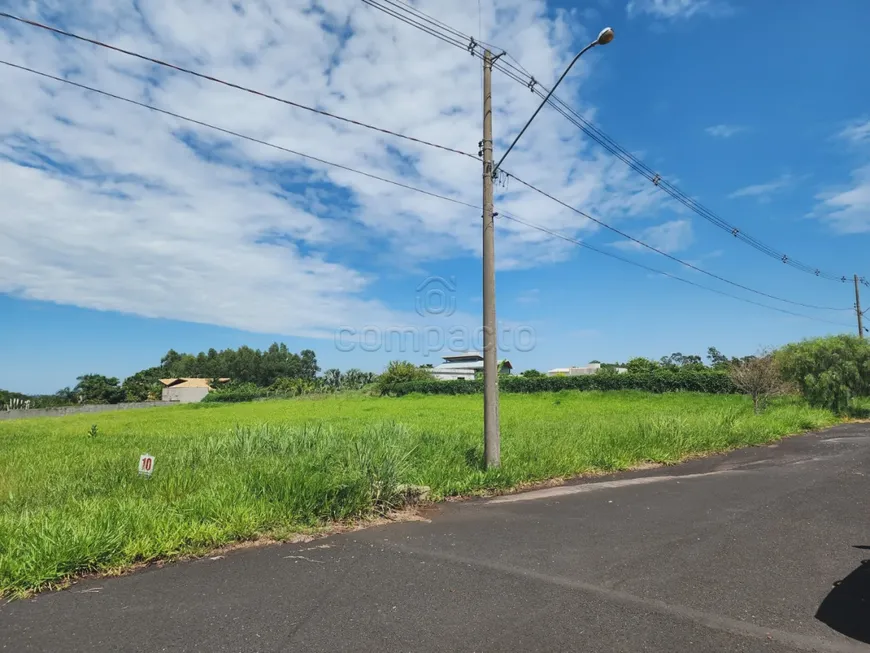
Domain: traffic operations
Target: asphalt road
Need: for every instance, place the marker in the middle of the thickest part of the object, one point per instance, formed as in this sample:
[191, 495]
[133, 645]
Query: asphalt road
[735, 553]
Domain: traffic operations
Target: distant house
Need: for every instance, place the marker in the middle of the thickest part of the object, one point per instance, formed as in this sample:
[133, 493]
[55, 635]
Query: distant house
[186, 390]
[465, 366]
[592, 368]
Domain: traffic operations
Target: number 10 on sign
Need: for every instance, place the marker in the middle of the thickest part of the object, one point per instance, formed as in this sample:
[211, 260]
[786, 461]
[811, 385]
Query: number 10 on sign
[146, 464]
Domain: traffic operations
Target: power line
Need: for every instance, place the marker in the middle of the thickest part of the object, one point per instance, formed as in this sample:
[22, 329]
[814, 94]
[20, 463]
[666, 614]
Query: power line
[665, 254]
[419, 23]
[519, 74]
[235, 134]
[246, 89]
[395, 183]
[401, 5]
[638, 166]
[423, 16]
[648, 268]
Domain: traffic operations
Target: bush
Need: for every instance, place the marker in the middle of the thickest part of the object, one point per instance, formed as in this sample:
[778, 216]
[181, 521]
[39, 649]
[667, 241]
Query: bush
[830, 372]
[662, 380]
[759, 377]
[235, 393]
[402, 372]
[285, 387]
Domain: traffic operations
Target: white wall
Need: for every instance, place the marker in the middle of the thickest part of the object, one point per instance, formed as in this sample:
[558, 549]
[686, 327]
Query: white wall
[451, 376]
[184, 395]
[60, 411]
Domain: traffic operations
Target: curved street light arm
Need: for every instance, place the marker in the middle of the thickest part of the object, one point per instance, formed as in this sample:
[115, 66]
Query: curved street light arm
[546, 99]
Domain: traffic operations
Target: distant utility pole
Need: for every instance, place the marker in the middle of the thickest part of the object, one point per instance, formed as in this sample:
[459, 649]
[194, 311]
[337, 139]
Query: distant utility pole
[491, 435]
[858, 310]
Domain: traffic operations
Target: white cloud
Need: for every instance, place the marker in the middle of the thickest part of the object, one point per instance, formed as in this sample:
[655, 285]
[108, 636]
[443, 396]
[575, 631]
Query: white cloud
[669, 237]
[764, 191]
[724, 131]
[847, 209]
[677, 9]
[858, 132]
[113, 207]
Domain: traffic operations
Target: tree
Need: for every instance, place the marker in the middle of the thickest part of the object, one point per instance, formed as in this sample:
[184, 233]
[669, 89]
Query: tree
[172, 358]
[332, 379]
[759, 377]
[308, 368]
[67, 396]
[717, 360]
[142, 386]
[830, 372]
[355, 379]
[99, 389]
[532, 374]
[642, 365]
[683, 361]
[244, 365]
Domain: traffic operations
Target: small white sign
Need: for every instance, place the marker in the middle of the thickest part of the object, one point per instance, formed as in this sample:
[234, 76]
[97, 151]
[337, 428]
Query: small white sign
[146, 464]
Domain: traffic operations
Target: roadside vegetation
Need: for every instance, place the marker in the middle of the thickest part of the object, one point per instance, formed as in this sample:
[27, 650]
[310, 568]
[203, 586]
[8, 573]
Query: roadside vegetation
[71, 500]
[251, 463]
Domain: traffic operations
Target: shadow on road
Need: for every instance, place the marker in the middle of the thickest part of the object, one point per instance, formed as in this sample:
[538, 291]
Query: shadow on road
[846, 608]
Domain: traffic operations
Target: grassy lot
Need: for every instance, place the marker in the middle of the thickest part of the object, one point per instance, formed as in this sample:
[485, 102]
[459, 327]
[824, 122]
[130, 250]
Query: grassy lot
[72, 502]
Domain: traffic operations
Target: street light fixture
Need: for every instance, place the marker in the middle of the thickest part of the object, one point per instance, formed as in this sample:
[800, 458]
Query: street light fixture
[604, 37]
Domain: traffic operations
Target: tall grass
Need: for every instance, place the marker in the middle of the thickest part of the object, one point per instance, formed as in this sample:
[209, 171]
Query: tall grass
[72, 502]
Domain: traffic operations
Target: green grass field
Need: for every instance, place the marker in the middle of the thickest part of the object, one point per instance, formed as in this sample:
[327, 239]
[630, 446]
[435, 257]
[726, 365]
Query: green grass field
[72, 502]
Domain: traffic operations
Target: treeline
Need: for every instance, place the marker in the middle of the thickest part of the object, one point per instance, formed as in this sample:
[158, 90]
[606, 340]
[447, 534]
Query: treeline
[659, 381]
[242, 365]
[332, 380]
[245, 367]
[674, 373]
[716, 361]
[831, 372]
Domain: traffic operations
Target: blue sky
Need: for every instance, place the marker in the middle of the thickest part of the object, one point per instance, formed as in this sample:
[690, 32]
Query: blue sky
[125, 233]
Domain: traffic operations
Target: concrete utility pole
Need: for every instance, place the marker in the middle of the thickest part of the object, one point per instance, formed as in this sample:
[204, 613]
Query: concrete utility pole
[492, 438]
[858, 310]
[491, 435]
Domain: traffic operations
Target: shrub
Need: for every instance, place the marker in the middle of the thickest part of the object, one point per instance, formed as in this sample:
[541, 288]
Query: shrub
[285, 387]
[759, 377]
[830, 372]
[236, 392]
[402, 372]
[661, 380]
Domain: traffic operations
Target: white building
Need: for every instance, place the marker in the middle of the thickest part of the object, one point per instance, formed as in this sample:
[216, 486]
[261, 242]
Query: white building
[592, 368]
[465, 366]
